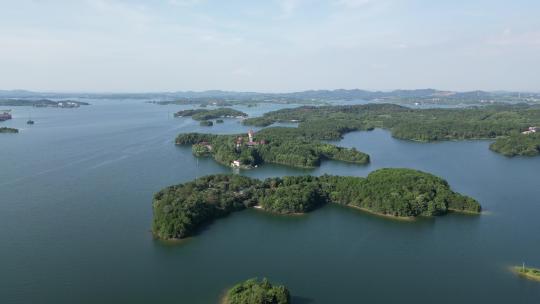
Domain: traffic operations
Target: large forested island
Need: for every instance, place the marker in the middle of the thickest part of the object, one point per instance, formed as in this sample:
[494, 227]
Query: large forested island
[254, 291]
[8, 130]
[279, 145]
[180, 210]
[504, 123]
[204, 114]
[41, 103]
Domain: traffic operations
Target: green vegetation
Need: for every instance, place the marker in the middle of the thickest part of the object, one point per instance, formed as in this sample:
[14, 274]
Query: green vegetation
[398, 192]
[279, 145]
[254, 291]
[180, 210]
[206, 123]
[530, 273]
[292, 194]
[204, 114]
[518, 144]
[8, 130]
[490, 122]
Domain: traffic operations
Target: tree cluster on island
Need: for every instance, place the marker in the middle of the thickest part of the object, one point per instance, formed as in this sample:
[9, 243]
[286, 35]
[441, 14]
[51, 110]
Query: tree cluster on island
[504, 123]
[205, 114]
[8, 130]
[279, 145]
[182, 209]
[253, 291]
[206, 123]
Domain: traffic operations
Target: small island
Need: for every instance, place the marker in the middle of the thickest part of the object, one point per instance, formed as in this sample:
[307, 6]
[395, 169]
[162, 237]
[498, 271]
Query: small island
[206, 123]
[179, 211]
[8, 130]
[254, 291]
[527, 272]
[204, 114]
[278, 145]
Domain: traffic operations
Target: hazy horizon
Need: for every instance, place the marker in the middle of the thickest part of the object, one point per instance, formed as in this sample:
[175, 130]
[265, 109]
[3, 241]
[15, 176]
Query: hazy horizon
[120, 46]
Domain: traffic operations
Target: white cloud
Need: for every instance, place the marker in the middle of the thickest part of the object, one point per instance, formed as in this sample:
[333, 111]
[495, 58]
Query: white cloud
[288, 7]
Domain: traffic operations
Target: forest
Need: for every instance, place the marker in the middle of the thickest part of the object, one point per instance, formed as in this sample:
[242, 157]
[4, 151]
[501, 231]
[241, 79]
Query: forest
[204, 114]
[500, 122]
[180, 210]
[254, 291]
[279, 145]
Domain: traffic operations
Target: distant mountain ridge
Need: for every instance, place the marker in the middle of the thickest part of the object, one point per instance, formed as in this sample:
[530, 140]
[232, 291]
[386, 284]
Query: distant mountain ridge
[426, 95]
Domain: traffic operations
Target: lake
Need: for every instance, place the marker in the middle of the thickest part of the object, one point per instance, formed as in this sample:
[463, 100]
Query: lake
[75, 214]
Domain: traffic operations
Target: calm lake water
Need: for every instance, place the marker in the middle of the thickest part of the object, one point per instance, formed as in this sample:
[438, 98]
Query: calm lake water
[75, 213]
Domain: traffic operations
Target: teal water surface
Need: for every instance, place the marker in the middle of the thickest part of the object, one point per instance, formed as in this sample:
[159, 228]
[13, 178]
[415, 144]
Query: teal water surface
[75, 213]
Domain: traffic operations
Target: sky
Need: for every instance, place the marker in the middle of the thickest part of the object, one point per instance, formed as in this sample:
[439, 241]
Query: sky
[269, 46]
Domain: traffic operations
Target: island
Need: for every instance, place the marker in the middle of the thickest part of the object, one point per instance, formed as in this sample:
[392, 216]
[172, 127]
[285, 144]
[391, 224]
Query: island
[204, 114]
[206, 123]
[254, 291]
[504, 123]
[179, 211]
[527, 272]
[278, 145]
[42, 103]
[8, 130]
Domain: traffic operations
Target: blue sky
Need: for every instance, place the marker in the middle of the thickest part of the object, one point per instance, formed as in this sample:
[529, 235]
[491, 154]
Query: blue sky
[270, 46]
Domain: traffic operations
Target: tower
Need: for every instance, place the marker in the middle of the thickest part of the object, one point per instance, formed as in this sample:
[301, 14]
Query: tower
[250, 135]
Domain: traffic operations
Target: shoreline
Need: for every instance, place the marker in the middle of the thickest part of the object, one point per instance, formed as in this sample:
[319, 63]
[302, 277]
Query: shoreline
[385, 215]
[527, 275]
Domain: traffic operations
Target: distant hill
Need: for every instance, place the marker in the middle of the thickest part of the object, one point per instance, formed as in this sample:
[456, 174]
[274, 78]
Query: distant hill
[224, 98]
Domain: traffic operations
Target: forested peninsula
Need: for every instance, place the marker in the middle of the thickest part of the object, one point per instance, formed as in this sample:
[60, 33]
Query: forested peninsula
[181, 209]
[254, 291]
[507, 124]
[527, 272]
[279, 145]
[519, 144]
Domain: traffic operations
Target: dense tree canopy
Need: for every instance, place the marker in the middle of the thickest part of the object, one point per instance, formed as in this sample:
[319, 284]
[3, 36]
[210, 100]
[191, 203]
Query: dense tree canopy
[180, 210]
[518, 144]
[254, 291]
